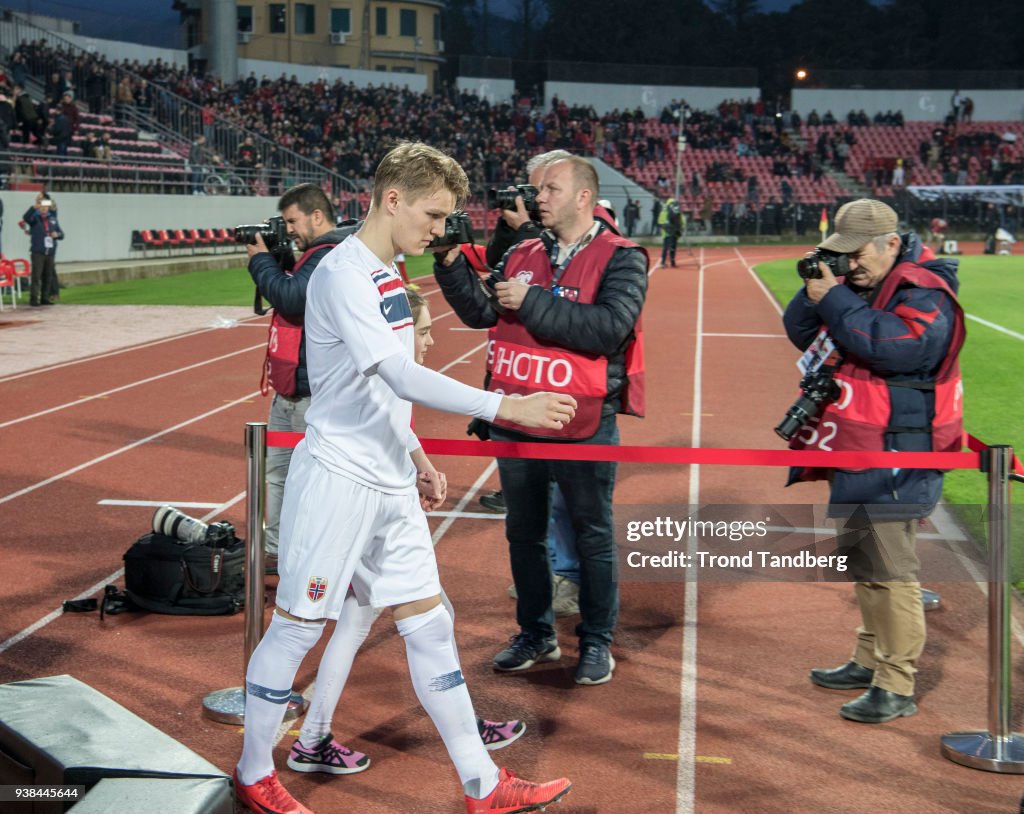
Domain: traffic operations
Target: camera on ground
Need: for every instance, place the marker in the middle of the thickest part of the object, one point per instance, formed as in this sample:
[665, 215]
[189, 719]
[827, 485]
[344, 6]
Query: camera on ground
[506, 199]
[188, 530]
[457, 230]
[807, 267]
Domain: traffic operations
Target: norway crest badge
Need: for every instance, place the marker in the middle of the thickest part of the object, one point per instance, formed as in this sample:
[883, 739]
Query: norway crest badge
[316, 589]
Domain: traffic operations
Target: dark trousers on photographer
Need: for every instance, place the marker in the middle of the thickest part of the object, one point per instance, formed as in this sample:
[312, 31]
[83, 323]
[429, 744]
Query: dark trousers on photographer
[586, 487]
[44, 286]
[892, 633]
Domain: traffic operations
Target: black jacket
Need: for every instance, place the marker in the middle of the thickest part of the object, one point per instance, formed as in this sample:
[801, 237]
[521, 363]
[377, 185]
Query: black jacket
[505, 237]
[604, 327]
[287, 292]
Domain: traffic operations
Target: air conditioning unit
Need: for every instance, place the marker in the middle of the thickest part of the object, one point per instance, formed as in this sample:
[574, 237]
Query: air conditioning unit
[244, 37]
[439, 45]
[338, 37]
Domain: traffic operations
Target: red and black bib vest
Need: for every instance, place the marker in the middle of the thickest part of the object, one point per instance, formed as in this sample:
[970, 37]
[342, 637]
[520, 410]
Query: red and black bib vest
[520, 364]
[861, 416]
[283, 341]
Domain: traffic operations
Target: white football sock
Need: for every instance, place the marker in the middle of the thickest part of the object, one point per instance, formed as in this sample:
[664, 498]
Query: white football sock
[350, 632]
[268, 687]
[442, 691]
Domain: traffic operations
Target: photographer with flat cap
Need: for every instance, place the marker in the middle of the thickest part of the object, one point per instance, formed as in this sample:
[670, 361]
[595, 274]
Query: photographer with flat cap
[309, 218]
[891, 326]
[564, 310]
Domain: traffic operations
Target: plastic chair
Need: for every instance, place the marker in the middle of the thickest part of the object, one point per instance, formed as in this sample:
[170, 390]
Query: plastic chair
[7, 281]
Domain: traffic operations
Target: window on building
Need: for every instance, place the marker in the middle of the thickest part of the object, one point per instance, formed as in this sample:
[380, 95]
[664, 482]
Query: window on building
[341, 21]
[407, 22]
[245, 18]
[402, 69]
[382, 68]
[382, 22]
[437, 27]
[278, 18]
[305, 18]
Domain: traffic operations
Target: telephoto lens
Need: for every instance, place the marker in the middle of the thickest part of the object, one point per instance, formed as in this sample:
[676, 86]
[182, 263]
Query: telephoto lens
[173, 523]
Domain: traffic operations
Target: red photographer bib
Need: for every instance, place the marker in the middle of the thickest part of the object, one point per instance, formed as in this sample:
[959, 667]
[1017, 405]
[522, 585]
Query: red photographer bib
[861, 416]
[520, 364]
[283, 342]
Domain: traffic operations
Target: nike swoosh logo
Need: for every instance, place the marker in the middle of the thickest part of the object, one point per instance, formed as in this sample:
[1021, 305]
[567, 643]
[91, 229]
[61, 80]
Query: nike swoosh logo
[270, 696]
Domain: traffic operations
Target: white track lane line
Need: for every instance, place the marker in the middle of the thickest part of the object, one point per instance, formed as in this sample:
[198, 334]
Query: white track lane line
[106, 393]
[56, 614]
[687, 749]
[126, 448]
[119, 351]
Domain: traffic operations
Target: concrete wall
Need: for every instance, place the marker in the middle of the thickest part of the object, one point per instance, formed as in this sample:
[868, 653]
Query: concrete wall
[917, 105]
[495, 91]
[311, 73]
[99, 227]
[651, 99]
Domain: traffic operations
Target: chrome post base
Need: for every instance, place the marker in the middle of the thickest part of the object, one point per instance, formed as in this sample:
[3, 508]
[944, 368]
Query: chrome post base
[228, 706]
[981, 750]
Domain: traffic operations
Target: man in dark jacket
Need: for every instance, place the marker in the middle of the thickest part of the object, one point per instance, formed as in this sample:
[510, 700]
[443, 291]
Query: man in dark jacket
[309, 217]
[44, 230]
[568, 310]
[513, 227]
[897, 330]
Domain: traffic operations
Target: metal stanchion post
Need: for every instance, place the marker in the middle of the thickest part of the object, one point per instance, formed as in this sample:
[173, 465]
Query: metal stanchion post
[228, 706]
[999, 749]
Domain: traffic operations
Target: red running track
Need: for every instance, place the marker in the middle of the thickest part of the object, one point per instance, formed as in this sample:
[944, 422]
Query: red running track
[710, 710]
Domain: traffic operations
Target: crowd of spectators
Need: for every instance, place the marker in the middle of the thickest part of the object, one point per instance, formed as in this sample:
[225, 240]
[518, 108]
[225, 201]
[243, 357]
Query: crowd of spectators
[347, 129]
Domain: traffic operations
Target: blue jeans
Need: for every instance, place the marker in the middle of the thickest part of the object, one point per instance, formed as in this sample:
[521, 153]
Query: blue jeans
[586, 487]
[565, 560]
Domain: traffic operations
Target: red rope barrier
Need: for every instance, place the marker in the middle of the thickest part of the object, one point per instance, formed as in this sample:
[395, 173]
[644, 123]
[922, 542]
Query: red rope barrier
[682, 455]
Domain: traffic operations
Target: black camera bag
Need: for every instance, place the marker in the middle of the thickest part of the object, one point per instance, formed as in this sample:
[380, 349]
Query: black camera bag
[164, 575]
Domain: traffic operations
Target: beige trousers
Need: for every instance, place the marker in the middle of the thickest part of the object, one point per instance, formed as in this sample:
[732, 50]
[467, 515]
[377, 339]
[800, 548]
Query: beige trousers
[892, 632]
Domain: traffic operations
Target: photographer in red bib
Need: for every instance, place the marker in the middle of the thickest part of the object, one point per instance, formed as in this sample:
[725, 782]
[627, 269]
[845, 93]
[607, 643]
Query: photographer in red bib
[309, 219]
[565, 313]
[885, 313]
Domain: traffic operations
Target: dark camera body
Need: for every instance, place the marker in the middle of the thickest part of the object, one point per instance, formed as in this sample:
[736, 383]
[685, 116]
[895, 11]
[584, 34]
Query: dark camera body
[457, 230]
[807, 267]
[818, 388]
[274, 232]
[275, 235]
[506, 199]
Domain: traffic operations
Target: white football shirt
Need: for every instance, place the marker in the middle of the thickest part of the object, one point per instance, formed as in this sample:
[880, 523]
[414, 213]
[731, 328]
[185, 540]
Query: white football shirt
[357, 314]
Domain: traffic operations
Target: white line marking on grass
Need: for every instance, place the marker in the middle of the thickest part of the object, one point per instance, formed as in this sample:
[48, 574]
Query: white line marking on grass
[686, 771]
[56, 614]
[106, 393]
[760, 284]
[995, 327]
[125, 448]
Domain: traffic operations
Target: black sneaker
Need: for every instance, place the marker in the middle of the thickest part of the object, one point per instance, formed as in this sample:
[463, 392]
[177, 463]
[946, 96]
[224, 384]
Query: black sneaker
[596, 664]
[524, 651]
[495, 501]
